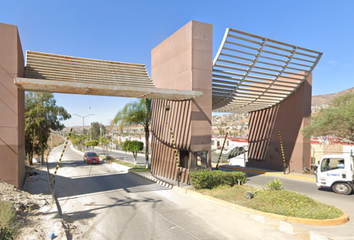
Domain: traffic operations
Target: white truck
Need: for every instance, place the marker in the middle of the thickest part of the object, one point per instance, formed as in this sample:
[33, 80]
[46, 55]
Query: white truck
[336, 172]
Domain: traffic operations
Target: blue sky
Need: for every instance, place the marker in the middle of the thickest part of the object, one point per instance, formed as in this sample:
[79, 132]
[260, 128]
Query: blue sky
[127, 31]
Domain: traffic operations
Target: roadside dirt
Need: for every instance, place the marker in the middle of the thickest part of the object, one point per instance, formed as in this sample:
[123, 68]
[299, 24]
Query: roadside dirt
[36, 213]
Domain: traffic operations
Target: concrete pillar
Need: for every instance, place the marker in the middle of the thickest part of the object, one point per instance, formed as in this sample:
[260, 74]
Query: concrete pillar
[183, 62]
[12, 141]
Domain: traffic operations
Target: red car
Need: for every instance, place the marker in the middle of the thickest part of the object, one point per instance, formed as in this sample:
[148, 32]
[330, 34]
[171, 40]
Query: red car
[91, 157]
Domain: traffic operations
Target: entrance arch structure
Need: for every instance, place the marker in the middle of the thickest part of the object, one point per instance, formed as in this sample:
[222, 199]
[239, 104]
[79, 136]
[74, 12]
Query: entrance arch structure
[59, 74]
[269, 79]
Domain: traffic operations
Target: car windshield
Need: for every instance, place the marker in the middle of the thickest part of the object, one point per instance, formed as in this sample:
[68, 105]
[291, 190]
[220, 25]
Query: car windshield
[91, 154]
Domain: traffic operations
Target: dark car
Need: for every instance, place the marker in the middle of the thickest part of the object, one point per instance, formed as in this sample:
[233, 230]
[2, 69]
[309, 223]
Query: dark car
[91, 157]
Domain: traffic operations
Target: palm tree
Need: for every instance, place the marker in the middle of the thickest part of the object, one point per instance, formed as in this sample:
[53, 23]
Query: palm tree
[138, 112]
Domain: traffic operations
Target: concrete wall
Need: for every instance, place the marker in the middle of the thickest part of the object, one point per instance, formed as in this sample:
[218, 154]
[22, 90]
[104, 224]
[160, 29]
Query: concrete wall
[289, 117]
[183, 61]
[12, 148]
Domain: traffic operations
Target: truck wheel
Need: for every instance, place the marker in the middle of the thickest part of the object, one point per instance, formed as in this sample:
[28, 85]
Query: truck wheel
[342, 188]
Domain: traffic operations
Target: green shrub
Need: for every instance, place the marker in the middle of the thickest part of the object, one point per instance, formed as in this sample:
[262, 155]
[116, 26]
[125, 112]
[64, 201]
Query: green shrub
[91, 143]
[6, 234]
[275, 184]
[8, 224]
[201, 179]
[211, 179]
[232, 178]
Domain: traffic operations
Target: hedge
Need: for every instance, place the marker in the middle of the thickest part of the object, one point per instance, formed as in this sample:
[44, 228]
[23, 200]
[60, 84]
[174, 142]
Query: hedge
[211, 179]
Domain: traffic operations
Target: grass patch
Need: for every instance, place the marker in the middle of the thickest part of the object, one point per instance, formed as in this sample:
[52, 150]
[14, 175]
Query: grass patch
[140, 169]
[280, 202]
[8, 224]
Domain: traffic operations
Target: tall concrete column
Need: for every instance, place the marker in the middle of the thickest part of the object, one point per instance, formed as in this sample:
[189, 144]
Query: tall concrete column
[12, 141]
[183, 62]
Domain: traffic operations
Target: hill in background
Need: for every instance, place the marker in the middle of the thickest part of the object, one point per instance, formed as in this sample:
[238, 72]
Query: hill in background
[236, 124]
[327, 98]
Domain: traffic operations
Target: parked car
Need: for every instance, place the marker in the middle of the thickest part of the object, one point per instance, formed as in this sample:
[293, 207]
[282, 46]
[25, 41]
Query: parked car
[91, 157]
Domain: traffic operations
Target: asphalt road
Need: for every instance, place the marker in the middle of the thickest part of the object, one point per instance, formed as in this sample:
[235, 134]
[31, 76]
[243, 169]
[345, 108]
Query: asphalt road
[310, 189]
[108, 203]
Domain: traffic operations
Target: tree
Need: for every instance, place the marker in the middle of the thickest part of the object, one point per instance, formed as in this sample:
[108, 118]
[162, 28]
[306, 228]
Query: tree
[337, 119]
[97, 130]
[133, 147]
[104, 141]
[221, 131]
[78, 140]
[138, 112]
[42, 115]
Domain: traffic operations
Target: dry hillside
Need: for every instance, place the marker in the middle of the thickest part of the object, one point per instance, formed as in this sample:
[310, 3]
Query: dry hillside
[327, 98]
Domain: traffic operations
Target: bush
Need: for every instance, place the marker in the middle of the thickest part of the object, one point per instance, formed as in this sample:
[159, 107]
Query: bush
[109, 158]
[202, 179]
[8, 224]
[91, 143]
[211, 179]
[6, 234]
[275, 184]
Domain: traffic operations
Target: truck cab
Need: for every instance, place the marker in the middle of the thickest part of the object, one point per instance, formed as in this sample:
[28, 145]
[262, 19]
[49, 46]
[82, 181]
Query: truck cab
[336, 172]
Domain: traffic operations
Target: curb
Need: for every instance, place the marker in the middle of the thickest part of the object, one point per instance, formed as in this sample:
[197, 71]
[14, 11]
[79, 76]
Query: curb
[284, 223]
[120, 168]
[152, 178]
[147, 175]
[327, 222]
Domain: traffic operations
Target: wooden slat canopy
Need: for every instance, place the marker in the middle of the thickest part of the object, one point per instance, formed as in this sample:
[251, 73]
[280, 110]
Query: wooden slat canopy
[65, 74]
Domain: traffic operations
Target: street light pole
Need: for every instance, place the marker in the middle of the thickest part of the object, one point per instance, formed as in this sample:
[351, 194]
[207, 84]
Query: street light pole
[83, 120]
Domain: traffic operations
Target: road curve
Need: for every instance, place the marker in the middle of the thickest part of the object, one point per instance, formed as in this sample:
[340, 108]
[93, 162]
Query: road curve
[108, 204]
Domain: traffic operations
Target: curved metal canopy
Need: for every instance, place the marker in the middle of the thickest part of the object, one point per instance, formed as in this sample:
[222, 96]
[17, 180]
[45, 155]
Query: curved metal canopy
[252, 72]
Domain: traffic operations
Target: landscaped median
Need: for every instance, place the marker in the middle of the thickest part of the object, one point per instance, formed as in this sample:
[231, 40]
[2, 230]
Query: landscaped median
[272, 201]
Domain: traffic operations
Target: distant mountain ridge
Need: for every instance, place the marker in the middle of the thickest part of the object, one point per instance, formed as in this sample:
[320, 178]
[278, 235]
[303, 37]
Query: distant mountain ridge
[319, 100]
